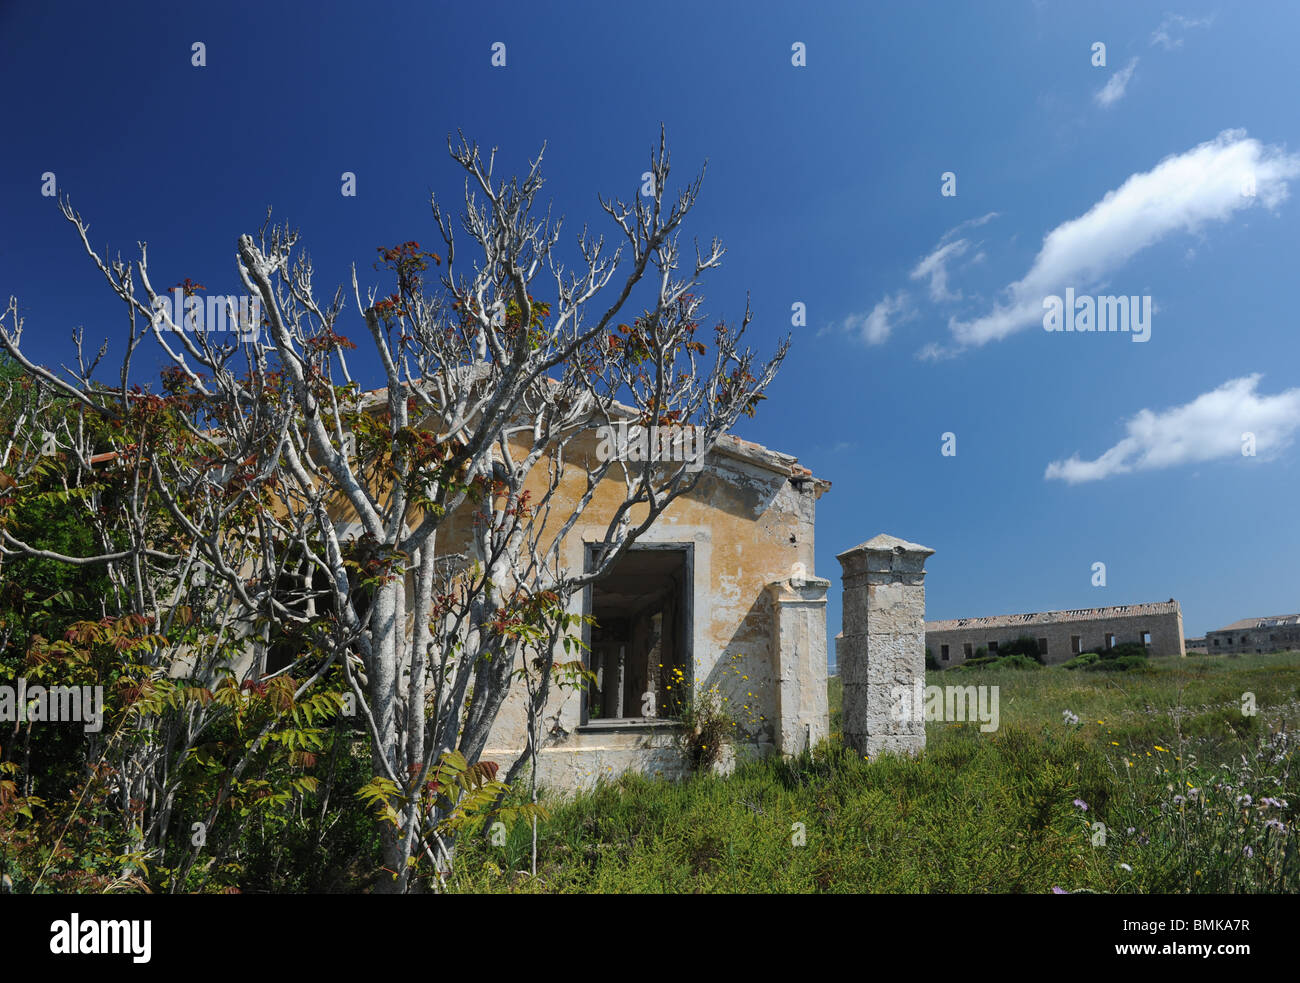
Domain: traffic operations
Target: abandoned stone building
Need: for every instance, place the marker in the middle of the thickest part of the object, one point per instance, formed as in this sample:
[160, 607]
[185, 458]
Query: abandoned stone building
[718, 594]
[1280, 633]
[1061, 635]
[720, 589]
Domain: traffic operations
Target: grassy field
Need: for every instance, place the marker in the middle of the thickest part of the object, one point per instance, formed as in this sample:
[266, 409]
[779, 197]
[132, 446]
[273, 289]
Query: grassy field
[1162, 785]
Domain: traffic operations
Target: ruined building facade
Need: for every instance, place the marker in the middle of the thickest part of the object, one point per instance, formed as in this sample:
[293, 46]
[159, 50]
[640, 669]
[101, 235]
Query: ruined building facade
[717, 594]
[1279, 633]
[1061, 635]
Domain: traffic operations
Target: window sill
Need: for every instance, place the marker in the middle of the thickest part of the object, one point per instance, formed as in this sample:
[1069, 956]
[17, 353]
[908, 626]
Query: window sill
[628, 723]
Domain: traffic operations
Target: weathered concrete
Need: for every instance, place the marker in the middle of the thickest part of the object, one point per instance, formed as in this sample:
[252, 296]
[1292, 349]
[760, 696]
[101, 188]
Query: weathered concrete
[884, 643]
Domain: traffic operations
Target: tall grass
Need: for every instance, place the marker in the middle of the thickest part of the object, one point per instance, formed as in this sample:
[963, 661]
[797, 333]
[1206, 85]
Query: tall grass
[1163, 785]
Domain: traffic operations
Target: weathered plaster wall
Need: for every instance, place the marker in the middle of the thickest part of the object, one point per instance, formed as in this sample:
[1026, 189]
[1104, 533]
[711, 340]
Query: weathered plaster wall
[749, 526]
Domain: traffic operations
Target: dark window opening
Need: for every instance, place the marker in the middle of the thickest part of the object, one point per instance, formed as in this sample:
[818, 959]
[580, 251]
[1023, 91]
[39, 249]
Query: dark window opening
[943, 652]
[1076, 644]
[640, 644]
[308, 591]
[993, 647]
[966, 650]
[1042, 646]
[1146, 638]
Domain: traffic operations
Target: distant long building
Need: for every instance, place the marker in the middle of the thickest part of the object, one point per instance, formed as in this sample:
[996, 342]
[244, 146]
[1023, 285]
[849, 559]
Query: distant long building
[1280, 633]
[1061, 635]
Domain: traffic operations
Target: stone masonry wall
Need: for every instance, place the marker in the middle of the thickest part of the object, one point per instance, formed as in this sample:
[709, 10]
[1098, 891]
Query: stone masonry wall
[1166, 631]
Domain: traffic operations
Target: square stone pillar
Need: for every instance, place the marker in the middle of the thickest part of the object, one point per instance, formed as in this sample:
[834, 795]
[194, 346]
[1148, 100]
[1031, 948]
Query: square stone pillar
[799, 657]
[882, 652]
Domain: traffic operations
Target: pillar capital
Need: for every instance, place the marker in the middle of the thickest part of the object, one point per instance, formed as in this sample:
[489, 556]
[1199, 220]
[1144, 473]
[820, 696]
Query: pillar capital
[886, 559]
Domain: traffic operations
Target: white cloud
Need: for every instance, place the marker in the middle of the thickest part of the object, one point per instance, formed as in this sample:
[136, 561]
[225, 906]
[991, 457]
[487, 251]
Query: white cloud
[934, 352]
[1176, 24]
[875, 328]
[935, 265]
[1113, 91]
[970, 223]
[1209, 427]
[1180, 194]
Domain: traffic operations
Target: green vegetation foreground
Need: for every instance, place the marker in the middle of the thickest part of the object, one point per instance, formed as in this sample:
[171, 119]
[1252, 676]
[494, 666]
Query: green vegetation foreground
[1150, 781]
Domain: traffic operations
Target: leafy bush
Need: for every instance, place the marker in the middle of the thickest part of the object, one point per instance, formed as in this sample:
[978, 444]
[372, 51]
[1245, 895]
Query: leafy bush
[1001, 662]
[1129, 650]
[1024, 645]
[705, 726]
[1120, 658]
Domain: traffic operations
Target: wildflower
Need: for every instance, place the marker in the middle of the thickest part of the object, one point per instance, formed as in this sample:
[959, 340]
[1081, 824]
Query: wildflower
[1247, 852]
[1275, 803]
[1193, 794]
[1116, 743]
[1179, 800]
[1059, 890]
[1069, 717]
[1159, 748]
[1126, 867]
[1081, 804]
[1275, 824]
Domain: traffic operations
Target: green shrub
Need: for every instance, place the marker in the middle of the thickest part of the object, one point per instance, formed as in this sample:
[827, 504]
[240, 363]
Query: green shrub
[1001, 662]
[1129, 650]
[1024, 645]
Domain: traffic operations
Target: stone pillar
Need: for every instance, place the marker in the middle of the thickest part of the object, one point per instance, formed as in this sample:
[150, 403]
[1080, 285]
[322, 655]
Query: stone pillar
[799, 656]
[883, 648]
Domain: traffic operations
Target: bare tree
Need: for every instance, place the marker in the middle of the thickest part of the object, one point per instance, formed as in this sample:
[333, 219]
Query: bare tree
[269, 442]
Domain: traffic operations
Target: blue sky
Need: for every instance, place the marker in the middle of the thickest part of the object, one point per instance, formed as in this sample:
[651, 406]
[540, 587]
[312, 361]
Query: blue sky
[924, 311]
